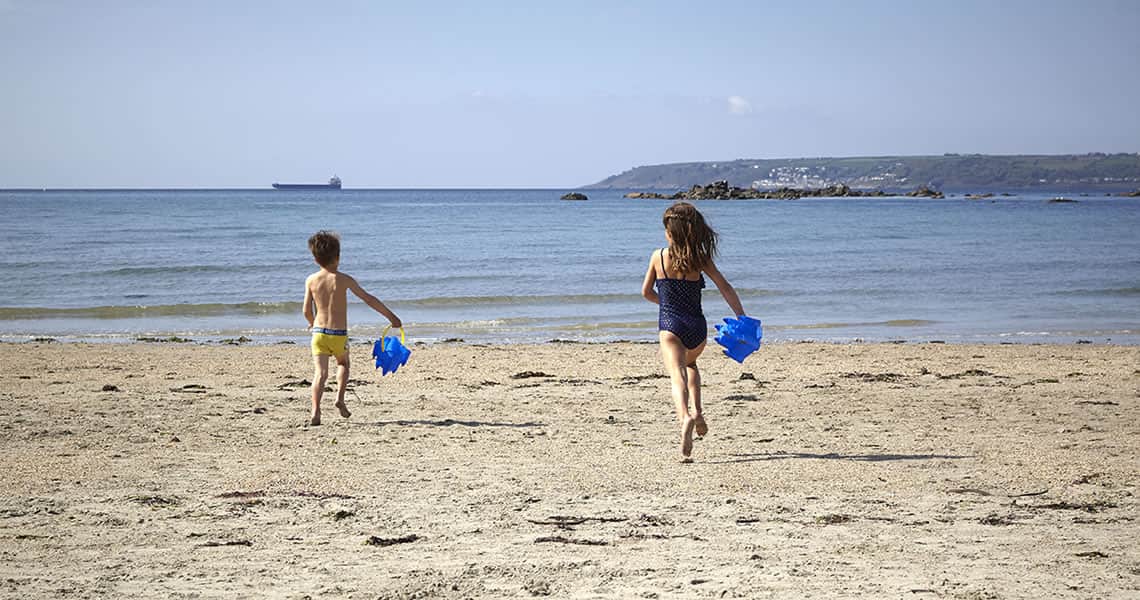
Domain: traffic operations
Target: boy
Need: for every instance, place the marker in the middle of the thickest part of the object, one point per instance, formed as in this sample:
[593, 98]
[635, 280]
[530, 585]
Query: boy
[325, 291]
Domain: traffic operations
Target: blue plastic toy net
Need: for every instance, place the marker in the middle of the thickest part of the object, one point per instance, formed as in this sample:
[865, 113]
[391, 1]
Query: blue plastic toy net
[390, 352]
[740, 337]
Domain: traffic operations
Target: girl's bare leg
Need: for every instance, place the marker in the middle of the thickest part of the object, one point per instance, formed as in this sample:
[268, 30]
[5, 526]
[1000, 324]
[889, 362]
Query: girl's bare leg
[693, 378]
[320, 376]
[673, 354]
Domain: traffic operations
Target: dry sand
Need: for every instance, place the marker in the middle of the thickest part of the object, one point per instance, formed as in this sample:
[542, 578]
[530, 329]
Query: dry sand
[831, 471]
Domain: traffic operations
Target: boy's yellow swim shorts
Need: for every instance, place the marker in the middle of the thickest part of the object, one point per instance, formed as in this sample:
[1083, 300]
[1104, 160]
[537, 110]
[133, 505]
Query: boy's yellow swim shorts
[329, 342]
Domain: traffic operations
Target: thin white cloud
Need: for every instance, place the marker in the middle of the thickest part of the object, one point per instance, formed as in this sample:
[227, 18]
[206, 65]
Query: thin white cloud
[737, 105]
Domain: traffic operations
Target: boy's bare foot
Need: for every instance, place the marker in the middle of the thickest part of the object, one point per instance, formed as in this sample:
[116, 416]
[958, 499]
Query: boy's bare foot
[315, 420]
[687, 438]
[699, 426]
[343, 409]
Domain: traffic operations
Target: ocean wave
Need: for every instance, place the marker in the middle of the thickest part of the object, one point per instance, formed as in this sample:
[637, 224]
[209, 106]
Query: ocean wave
[605, 326]
[263, 308]
[139, 311]
[137, 307]
[517, 300]
[541, 300]
[184, 270]
[890, 323]
[904, 323]
[1070, 333]
[1116, 292]
[753, 292]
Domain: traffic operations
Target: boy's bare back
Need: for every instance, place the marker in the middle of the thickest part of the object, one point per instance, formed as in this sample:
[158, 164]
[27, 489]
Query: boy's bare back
[328, 291]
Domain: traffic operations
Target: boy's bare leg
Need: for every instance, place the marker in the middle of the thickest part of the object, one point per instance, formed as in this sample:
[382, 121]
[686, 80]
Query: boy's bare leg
[320, 376]
[673, 354]
[342, 385]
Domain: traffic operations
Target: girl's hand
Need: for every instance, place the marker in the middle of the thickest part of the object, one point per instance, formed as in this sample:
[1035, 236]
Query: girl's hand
[396, 323]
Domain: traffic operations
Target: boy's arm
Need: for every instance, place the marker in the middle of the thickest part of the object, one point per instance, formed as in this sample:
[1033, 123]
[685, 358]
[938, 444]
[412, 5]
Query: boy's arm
[372, 301]
[647, 290]
[725, 288]
[307, 307]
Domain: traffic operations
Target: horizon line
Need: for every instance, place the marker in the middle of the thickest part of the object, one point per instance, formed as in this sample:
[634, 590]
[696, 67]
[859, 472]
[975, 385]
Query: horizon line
[573, 187]
[270, 189]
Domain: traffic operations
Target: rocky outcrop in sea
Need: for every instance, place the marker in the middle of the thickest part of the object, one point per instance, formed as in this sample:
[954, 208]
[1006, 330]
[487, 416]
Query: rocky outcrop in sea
[925, 192]
[720, 190]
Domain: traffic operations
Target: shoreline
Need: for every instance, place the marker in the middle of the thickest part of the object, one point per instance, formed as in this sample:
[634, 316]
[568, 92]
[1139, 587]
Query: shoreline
[241, 340]
[830, 471]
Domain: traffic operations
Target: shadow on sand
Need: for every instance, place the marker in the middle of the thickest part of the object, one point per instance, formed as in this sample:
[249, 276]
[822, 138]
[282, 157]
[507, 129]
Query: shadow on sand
[450, 423]
[740, 458]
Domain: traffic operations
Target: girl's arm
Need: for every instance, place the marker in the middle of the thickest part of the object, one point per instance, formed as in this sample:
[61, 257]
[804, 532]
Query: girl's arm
[650, 276]
[725, 288]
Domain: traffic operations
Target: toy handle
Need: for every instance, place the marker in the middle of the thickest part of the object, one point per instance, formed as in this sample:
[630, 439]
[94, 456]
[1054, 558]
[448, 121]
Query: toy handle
[384, 334]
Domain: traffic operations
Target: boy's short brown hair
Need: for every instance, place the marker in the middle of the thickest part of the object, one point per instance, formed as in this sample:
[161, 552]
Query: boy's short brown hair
[325, 246]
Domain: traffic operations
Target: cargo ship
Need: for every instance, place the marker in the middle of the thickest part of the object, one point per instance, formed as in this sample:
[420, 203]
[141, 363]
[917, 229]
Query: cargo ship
[333, 184]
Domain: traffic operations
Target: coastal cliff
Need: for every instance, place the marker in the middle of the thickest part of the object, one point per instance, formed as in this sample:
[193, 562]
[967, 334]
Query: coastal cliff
[949, 173]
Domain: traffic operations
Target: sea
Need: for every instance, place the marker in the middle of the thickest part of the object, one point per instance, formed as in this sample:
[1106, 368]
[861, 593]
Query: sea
[523, 266]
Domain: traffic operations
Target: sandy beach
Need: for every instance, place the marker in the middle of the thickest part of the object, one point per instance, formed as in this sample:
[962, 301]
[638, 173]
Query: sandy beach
[161, 470]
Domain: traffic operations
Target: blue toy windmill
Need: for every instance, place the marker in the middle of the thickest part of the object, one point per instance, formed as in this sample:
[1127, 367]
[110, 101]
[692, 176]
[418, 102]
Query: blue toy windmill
[740, 337]
[390, 352]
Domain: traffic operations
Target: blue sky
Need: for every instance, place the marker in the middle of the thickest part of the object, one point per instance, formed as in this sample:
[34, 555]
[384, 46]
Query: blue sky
[208, 93]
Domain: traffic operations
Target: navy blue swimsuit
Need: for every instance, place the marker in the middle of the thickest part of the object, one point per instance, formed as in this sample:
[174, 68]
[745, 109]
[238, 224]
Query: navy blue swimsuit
[680, 308]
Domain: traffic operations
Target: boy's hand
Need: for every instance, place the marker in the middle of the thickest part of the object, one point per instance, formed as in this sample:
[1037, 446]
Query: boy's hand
[397, 323]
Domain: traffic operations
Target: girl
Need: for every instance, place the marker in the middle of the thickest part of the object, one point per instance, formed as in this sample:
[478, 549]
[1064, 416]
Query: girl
[679, 272]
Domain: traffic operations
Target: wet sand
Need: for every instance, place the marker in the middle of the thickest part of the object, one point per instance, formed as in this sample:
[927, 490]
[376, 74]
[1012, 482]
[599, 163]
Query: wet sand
[830, 471]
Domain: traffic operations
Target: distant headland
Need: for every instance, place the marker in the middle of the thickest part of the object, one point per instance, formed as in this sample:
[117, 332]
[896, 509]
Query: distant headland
[948, 173]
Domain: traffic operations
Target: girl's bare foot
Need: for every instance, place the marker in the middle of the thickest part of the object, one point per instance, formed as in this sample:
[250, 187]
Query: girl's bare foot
[343, 409]
[315, 420]
[687, 438]
[699, 426]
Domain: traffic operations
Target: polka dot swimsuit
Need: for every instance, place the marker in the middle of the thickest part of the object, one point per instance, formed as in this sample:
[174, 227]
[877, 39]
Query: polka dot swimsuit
[680, 308]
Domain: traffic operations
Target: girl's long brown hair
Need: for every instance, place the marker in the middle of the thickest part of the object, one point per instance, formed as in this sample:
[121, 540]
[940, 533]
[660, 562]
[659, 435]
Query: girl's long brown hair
[692, 243]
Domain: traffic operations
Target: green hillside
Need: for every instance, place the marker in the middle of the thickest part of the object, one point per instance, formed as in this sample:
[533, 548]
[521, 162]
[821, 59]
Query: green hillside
[950, 172]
